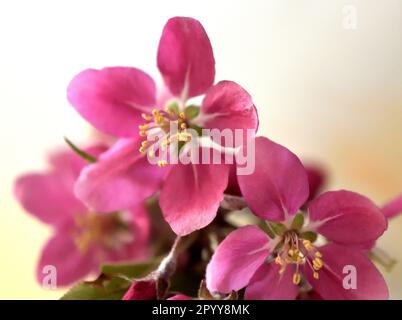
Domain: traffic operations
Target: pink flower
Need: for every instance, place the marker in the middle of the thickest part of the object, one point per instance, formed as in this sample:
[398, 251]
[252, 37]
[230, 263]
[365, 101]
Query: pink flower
[393, 207]
[142, 290]
[275, 266]
[118, 100]
[83, 239]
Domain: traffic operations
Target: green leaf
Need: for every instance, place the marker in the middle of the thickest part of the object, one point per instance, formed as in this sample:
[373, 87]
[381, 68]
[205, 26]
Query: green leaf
[309, 235]
[103, 288]
[138, 270]
[191, 112]
[86, 156]
[298, 221]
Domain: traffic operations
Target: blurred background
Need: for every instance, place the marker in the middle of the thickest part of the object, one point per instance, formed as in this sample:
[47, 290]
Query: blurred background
[328, 88]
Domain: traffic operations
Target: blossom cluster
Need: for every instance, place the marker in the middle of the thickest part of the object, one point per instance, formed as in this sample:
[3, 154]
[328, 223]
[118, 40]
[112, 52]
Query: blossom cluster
[149, 227]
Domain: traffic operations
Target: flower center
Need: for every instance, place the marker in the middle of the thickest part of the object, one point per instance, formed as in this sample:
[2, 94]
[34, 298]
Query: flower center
[295, 250]
[162, 128]
[109, 231]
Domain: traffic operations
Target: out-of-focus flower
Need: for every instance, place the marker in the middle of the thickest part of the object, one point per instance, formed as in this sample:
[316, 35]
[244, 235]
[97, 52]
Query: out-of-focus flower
[274, 264]
[118, 100]
[393, 207]
[83, 239]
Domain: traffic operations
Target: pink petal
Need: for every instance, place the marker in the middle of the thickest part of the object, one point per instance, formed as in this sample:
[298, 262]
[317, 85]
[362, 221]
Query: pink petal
[121, 178]
[185, 58]
[228, 105]
[393, 208]
[141, 290]
[191, 195]
[370, 284]
[112, 99]
[47, 197]
[236, 259]
[180, 297]
[278, 185]
[67, 162]
[268, 284]
[60, 252]
[139, 247]
[347, 217]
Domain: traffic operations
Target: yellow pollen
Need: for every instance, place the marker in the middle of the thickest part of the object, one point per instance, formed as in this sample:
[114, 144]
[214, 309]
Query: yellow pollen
[318, 254]
[316, 275]
[183, 126]
[155, 112]
[182, 115]
[146, 117]
[317, 263]
[282, 270]
[307, 244]
[144, 143]
[162, 163]
[278, 260]
[296, 278]
[142, 133]
[143, 126]
[142, 149]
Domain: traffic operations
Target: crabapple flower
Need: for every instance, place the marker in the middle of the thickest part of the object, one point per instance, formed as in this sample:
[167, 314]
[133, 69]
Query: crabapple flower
[393, 208]
[276, 263]
[82, 239]
[142, 290]
[120, 101]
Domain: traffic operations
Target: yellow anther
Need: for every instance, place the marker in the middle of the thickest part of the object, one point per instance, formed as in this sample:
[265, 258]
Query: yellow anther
[155, 112]
[316, 275]
[278, 260]
[290, 252]
[143, 126]
[183, 126]
[318, 254]
[142, 133]
[296, 278]
[307, 244]
[162, 163]
[144, 143]
[142, 149]
[182, 115]
[317, 264]
[146, 117]
[282, 270]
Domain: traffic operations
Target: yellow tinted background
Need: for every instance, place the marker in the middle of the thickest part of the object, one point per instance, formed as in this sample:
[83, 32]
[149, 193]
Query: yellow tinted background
[331, 94]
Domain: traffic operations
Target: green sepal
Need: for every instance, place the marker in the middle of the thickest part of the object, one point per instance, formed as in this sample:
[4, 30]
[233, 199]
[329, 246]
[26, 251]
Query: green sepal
[84, 155]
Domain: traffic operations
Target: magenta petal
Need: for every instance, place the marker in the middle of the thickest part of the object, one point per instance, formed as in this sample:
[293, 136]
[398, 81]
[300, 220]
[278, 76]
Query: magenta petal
[268, 284]
[112, 99]
[228, 105]
[236, 259]
[141, 290]
[47, 197]
[121, 178]
[393, 208]
[185, 58]
[370, 284]
[180, 297]
[191, 195]
[278, 185]
[60, 252]
[347, 217]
